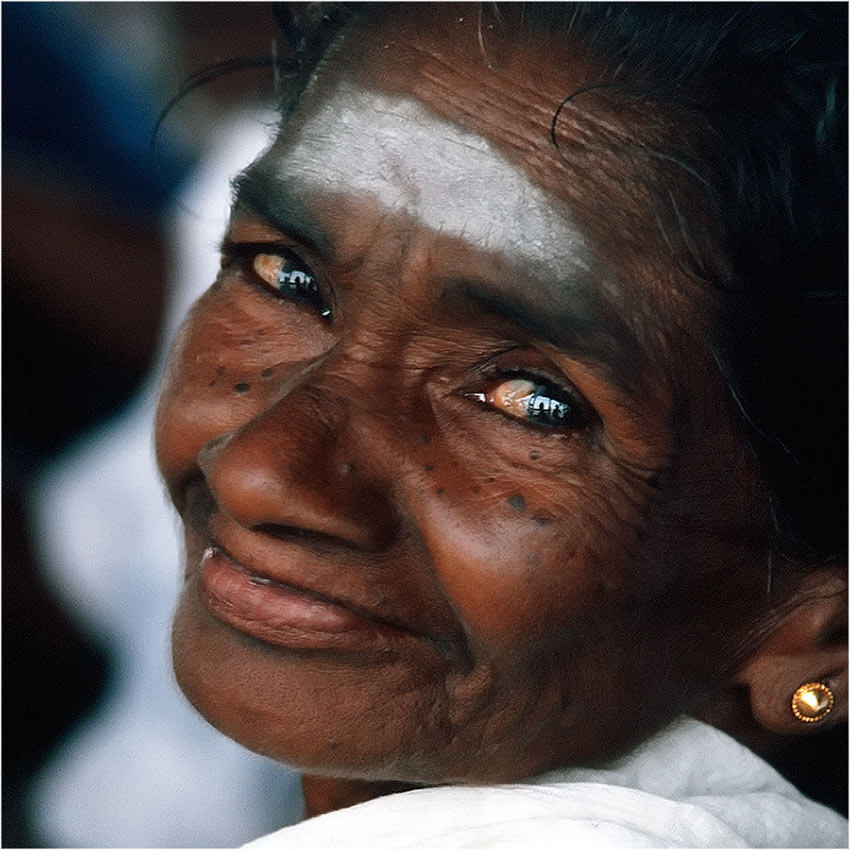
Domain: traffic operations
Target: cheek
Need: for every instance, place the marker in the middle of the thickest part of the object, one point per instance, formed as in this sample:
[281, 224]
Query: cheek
[233, 354]
[528, 560]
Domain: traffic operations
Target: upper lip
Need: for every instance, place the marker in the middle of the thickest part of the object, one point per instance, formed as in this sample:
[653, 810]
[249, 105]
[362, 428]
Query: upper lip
[265, 574]
[279, 559]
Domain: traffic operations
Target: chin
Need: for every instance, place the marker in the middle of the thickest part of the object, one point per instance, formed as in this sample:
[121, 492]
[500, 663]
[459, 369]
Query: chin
[295, 707]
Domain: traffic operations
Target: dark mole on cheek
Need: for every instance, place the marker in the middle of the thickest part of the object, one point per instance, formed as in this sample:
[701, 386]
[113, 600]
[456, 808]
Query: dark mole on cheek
[425, 438]
[517, 503]
[241, 388]
[429, 467]
[267, 373]
[534, 455]
[440, 491]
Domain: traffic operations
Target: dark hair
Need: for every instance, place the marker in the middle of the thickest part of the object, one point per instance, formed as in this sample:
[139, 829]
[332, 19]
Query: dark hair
[766, 84]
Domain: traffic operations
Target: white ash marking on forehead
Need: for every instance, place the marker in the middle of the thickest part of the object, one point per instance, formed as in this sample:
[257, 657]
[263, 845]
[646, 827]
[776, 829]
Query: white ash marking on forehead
[396, 152]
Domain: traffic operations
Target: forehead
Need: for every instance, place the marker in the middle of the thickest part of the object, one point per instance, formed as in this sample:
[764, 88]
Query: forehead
[504, 85]
[415, 88]
[396, 154]
[434, 119]
[544, 101]
[540, 98]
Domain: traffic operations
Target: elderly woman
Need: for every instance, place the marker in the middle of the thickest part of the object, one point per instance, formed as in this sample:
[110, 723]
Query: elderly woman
[505, 440]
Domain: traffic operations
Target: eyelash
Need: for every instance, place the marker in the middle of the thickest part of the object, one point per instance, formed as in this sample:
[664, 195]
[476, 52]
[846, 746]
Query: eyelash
[305, 289]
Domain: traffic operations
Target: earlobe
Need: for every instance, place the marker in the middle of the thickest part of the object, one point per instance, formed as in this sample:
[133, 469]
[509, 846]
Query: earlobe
[797, 678]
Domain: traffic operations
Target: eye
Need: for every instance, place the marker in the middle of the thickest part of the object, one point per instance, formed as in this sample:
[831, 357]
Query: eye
[291, 278]
[532, 400]
[278, 269]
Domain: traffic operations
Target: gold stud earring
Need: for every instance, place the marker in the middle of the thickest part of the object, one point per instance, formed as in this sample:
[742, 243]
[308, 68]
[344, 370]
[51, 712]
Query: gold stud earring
[812, 702]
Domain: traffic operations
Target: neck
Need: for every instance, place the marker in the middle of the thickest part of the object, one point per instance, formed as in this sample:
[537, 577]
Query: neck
[323, 794]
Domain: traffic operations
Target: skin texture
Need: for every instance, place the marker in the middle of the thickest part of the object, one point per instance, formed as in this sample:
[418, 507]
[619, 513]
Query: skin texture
[478, 595]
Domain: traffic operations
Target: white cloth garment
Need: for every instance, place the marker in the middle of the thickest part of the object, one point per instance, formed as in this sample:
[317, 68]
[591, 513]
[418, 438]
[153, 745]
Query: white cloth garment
[690, 786]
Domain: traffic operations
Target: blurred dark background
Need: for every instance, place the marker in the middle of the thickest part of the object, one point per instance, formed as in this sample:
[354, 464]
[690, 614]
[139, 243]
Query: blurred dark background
[84, 261]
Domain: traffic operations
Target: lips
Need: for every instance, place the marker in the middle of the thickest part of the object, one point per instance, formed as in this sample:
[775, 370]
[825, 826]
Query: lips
[295, 590]
[281, 614]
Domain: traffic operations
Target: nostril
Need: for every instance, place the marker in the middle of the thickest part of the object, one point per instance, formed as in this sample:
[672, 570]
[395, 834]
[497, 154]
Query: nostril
[193, 499]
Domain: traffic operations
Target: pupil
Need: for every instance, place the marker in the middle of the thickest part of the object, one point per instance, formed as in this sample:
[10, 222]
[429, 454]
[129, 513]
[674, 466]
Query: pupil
[544, 409]
[297, 283]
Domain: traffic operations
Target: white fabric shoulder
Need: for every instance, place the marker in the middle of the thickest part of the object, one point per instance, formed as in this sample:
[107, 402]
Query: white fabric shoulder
[689, 786]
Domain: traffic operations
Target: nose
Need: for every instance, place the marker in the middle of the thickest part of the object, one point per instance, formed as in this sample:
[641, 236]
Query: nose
[295, 470]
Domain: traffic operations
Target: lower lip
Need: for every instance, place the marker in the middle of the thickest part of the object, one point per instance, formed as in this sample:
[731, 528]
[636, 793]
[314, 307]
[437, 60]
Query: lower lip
[279, 615]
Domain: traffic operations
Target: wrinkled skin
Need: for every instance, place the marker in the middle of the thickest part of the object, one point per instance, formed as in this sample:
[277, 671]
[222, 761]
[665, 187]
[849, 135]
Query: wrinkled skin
[528, 594]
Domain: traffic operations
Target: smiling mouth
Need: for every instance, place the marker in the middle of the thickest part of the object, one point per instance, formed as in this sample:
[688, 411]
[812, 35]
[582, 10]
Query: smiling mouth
[283, 615]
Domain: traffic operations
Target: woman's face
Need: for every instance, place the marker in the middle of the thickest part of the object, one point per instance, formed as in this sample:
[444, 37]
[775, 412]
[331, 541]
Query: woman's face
[462, 497]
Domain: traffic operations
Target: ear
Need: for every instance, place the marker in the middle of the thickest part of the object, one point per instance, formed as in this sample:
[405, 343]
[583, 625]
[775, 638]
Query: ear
[808, 643]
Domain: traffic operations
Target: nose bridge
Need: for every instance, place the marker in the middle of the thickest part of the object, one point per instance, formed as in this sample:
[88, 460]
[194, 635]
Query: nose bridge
[331, 391]
[296, 466]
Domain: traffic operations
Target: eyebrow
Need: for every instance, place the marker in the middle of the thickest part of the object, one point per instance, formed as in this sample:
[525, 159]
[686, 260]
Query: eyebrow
[258, 190]
[580, 323]
[571, 315]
